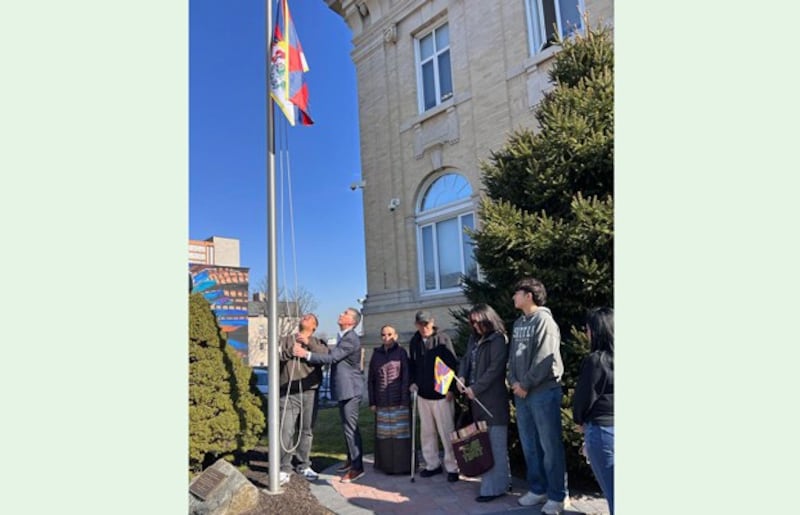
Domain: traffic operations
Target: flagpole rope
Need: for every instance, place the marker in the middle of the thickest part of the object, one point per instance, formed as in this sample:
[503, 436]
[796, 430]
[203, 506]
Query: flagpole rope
[291, 229]
[283, 53]
[281, 171]
[284, 174]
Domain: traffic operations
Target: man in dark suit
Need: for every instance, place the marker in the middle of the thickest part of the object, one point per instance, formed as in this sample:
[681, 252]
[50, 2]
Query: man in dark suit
[348, 386]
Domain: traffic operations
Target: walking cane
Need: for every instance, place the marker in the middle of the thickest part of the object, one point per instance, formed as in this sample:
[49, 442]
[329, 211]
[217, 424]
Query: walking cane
[413, 435]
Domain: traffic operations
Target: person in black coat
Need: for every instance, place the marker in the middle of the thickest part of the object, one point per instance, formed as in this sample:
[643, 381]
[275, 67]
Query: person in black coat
[436, 411]
[387, 384]
[483, 372]
[593, 402]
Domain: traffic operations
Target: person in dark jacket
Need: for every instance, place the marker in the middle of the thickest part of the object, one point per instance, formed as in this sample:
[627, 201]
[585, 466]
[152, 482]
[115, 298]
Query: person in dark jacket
[593, 402]
[436, 411]
[483, 371]
[299, 383]
[348, 386]
[387, 385]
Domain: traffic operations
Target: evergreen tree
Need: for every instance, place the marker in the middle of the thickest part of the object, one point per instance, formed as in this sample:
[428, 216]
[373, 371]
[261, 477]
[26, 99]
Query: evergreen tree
[225, 410]
[548, 209]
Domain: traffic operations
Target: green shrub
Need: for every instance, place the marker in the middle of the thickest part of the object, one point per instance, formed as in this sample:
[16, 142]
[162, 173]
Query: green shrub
[225, 410]
[548, 213]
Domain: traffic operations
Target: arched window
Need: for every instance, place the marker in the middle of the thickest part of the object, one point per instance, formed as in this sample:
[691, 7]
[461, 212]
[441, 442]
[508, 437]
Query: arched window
[445, 252]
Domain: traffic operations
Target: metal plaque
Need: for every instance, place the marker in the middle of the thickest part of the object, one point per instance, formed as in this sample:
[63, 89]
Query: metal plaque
[206, 483]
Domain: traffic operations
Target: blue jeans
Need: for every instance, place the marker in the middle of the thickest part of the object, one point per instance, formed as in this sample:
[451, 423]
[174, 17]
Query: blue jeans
[496, 480]
[539, 426]
[600, 450]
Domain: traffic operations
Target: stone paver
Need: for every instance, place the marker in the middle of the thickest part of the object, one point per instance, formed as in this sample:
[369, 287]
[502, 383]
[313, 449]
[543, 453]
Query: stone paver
[383, 494]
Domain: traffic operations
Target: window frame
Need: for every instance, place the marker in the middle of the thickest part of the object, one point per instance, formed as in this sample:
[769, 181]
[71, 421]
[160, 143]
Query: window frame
[455, 210]
[434, 59]
[541, 30]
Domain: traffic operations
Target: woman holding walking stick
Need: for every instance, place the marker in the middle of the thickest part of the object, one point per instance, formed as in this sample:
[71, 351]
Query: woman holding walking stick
[482, 373]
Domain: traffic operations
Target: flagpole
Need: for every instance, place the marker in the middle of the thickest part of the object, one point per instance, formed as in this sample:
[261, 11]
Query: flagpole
[272, 280]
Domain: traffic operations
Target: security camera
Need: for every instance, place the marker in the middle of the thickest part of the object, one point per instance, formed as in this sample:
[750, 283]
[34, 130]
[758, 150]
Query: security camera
[394, 204]
[356, 185]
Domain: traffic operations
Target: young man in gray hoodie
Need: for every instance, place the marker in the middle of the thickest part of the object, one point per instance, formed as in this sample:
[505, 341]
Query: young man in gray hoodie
[534, 373]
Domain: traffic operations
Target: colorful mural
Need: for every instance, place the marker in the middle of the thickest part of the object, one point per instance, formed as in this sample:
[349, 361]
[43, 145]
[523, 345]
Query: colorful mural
[226, 289]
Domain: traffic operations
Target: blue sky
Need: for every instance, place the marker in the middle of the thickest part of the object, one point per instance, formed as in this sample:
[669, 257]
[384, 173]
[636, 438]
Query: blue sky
[227, 156]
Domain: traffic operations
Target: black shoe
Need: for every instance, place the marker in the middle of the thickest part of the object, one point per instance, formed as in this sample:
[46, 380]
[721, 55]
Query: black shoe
[344, 468]
[429, 473]
[452, 477]
[487, 498]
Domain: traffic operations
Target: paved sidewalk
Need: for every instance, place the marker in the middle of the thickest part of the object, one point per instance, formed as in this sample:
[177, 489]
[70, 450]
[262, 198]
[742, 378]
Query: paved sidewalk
[383, 494]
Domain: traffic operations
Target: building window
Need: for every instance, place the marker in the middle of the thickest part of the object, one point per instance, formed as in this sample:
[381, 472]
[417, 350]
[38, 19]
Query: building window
[546, 18]
[434, 80]
[445, 251]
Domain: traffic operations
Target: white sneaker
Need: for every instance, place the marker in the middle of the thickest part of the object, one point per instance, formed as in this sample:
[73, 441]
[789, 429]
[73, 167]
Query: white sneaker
[309, 474]
[554, 507]
[283, 477]
[531, 498]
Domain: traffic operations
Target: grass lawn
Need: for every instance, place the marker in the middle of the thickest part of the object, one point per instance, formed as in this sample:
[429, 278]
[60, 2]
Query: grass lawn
[328, 446]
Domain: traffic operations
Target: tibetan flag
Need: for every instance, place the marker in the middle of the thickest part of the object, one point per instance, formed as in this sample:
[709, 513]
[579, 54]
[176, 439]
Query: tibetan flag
[442, 375]
[287, 65]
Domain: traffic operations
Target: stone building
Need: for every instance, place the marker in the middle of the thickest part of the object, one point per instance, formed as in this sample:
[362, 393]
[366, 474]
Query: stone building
[441, 83]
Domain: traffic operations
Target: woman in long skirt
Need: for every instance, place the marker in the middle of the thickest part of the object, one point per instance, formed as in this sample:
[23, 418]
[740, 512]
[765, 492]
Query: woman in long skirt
[387, 384]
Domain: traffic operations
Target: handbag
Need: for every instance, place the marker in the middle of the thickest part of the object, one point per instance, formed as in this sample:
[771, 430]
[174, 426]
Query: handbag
[472, 449]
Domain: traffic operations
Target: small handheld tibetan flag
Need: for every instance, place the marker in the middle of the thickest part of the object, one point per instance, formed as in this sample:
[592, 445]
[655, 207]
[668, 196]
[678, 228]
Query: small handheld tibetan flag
[443, 375]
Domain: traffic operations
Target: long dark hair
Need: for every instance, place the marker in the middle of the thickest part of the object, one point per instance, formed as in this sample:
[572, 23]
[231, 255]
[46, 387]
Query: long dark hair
[601, 324]
[487, 318]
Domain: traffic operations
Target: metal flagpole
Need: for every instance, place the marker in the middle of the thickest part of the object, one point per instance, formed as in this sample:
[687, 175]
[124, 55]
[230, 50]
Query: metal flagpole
[272, 280]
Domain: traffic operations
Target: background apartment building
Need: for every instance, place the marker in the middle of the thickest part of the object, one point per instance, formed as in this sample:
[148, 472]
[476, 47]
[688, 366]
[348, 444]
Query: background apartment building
[214, 272]
[441, 83]
[257, 316]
